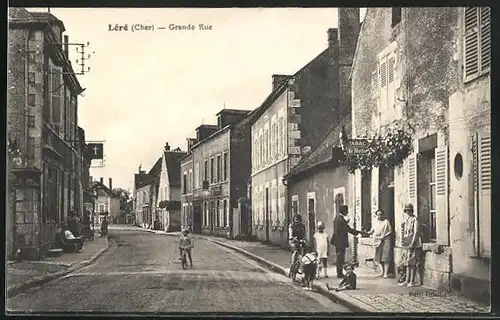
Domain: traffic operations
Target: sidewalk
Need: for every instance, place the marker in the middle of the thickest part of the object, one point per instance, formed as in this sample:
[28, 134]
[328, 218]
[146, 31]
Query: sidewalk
[373, 294]
[27, 274]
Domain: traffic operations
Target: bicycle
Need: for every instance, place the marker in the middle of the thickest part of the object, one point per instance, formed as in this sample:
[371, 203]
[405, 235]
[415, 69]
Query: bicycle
[184, 256]
[296, 267]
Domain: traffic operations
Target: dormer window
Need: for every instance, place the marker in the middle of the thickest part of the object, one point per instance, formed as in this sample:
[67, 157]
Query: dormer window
[396, 16]
[219, 122]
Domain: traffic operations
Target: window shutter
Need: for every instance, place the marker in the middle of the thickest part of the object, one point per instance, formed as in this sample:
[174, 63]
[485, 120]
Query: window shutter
[391, 86]
[473, 217]
[412, 181]
[484, 192]
[383, 73]
[391, 61]
[485, 15]
[471, 56]
[442, 217]
[383, 90]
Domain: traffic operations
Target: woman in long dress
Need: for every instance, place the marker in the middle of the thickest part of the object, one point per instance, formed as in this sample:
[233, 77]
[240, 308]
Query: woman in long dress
[381, 235]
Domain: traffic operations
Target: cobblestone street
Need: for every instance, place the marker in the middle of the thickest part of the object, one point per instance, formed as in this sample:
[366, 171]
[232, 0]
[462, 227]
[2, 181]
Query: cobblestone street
[141, 273]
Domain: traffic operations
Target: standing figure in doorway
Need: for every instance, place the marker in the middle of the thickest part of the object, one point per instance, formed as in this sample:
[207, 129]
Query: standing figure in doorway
[381, 235]
[340, 237]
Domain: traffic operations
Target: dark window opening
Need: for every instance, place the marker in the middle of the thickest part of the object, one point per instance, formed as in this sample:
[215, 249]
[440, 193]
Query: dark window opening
[184, 184]
[366, 201]
[396, 16]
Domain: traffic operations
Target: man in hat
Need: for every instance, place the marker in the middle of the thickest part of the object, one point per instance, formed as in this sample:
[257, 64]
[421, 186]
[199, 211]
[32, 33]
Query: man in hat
[340, 237]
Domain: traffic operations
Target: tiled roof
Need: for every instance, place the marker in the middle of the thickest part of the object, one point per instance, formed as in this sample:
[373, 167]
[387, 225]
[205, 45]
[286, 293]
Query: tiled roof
[19, 13]
[323, 152]
[98, 184]
[280, 88]
[154, 173]
[269, 101]
[144, 179]
[173, 162]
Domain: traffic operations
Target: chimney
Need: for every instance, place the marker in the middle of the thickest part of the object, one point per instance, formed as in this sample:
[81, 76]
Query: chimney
[102, 180]
[166, 147]
[348, 19]
[66, 46]
[190, 143]
[333, 36]
[278, 79]
[110, 184]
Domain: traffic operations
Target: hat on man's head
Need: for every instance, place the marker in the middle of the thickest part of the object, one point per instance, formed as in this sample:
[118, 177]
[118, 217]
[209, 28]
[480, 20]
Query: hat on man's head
[408, 207]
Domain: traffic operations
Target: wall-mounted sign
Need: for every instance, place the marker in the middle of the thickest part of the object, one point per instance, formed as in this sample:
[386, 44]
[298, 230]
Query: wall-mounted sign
[357, 147]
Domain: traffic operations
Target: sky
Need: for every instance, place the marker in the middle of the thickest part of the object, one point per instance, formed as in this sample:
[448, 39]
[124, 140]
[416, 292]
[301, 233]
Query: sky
[146, 88]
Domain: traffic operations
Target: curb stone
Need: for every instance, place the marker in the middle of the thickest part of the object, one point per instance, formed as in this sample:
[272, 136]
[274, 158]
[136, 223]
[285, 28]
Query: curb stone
[39, 280]
[337, 297]
[160, 232]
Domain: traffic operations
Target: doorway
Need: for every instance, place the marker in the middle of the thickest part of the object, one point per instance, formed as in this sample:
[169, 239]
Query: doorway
[386, 203]
[267, 214]
[312, 218]
[212, 216]
[197, 218]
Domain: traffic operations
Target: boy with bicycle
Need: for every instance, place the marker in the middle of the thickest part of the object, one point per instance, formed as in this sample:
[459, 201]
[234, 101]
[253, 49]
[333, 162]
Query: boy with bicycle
[186, 243]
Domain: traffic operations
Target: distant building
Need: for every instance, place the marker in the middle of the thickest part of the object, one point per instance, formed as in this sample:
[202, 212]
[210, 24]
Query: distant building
[146, 188]
[107, 202]
[168, 202]
[293, 119]
[215, 174]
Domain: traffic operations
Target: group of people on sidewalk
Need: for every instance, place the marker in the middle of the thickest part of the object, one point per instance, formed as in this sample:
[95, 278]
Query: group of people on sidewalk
[78, 230]
[381, 232]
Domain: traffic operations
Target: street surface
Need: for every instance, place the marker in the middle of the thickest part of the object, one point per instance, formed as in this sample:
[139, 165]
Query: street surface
[142, 273]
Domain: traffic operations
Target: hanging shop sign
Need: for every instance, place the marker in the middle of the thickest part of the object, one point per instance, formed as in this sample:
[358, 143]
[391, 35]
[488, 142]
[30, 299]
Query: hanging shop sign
[355, 147]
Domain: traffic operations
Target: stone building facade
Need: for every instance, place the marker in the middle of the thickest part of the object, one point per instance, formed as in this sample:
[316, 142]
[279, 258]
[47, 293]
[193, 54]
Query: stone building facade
[295, 117]
[220, 164]
[42, 119]
[169, 192]
[412, 70]
[146, 186]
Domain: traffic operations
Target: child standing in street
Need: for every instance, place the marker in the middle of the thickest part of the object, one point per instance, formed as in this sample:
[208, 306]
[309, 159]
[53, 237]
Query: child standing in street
[321, 245]
[309, 266]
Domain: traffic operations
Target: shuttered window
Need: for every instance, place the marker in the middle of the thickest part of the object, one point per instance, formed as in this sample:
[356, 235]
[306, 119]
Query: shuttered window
[441, 200]
[412, 179]
[387, 90]
[477, 42]
[383, 74]
[481, 147]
